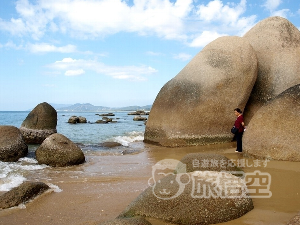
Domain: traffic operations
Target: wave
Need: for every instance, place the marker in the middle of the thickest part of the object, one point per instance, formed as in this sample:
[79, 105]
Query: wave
[12, 173]
[129, 137]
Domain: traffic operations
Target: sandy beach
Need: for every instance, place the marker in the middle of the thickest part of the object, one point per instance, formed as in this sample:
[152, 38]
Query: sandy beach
[100, 189]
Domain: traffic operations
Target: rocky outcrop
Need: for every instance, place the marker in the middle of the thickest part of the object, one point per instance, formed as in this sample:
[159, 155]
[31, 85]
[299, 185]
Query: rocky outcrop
[22, 194]
[58, 150]
[73, 119]
[209, 162]
[12, 145]
[107, 114]
[77, 119]
[193, 198]
[138, 112]
[82, 119]
[196, 107]
[138, 220]
[273, 131]
[39, 124]
[106, 120]
[276, 42]
[139, 118]
[109, 144]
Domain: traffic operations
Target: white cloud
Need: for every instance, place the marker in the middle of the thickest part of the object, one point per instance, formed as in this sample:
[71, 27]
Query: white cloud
[217, 11]
[74, 72]
[282, 13]
[182, 56]
[99, 18]
[168, 19]
[272, 5]
[40, 47]
[72, 67]
[221, 19]
[205, 38]
[45, 47]
[12, 45]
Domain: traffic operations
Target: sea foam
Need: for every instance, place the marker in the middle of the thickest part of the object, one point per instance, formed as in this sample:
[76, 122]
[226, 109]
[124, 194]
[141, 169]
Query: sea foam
[130, 137]
[12, 174]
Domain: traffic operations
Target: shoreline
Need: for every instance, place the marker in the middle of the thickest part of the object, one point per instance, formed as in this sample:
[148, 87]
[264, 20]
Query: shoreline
[102, 187]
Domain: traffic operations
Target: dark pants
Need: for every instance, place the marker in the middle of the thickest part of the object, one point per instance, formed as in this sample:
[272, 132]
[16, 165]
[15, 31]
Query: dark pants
[239, 145]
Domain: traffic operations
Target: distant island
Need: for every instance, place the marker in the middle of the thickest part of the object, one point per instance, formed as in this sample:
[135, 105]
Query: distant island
[87, 107]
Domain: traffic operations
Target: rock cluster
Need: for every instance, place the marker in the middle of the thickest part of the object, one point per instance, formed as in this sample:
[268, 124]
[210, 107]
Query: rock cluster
[39, 124]
[139, 118]
[77, 119]
[138, 112]
[106, 120]
[12, 145]
[106, 114]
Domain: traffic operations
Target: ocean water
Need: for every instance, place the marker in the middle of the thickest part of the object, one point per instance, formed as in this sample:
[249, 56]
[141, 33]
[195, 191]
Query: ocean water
[89, 136]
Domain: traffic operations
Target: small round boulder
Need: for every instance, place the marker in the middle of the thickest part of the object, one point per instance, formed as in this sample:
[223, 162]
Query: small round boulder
[58, 150]
[12, 145]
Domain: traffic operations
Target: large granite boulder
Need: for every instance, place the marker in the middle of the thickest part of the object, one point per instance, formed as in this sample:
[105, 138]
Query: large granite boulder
[22, 194]
[295, 220]
[39, 124]
[273, 131]
[209, 162]
[276, 42]
[196, 106]
[12, 145]
[138, 220]
[58, 150]
[194, 198]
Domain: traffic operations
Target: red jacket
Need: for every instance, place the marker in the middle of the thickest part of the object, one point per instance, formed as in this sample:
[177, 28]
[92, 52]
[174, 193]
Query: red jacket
[238, 123]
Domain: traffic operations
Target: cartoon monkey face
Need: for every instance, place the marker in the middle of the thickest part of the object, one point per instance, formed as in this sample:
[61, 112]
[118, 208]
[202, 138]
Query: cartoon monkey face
[167, 185]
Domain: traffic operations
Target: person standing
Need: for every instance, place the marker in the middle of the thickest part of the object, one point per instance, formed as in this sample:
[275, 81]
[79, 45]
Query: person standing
[239, 124]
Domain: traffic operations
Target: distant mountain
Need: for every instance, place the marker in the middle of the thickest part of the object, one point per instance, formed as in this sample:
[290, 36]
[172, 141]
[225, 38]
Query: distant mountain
[87, 107]
[134, 108]
[57, 106]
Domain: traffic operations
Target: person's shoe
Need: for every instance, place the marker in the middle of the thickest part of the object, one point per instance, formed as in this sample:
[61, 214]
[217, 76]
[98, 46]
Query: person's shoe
[236, 151]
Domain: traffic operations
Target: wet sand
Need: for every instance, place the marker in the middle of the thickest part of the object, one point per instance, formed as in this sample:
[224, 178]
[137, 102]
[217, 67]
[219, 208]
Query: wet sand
[101, 188]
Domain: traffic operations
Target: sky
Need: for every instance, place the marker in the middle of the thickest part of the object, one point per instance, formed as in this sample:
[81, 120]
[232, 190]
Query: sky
[112, 53]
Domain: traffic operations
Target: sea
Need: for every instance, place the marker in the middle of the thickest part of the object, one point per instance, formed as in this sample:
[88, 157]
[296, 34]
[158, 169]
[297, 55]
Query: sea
[89, 136]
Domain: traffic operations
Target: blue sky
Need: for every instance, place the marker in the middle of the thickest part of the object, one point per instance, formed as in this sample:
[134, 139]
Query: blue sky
[112, 52]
